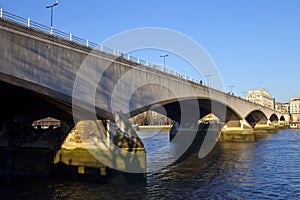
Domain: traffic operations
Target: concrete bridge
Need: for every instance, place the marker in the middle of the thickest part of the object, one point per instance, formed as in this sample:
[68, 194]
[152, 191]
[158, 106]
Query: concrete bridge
[43, 75]
[48, 73]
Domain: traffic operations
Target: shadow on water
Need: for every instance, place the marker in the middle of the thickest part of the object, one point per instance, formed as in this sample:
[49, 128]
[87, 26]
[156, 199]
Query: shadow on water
[32, 171]
[33, 187]
[266, 169]
[195, 146]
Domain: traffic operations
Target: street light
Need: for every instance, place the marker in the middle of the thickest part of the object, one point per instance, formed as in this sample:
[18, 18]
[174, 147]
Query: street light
[231, 86]
[51, 6]
[164, 56]
[207, 76]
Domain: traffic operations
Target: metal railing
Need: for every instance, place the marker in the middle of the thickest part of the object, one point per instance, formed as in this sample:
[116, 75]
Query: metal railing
[70, 37]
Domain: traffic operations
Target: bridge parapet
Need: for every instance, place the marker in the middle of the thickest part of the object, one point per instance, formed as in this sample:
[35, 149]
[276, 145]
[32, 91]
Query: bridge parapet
[35, 29]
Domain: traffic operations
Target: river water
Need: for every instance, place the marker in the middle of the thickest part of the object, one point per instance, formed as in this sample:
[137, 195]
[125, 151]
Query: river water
[266, 169]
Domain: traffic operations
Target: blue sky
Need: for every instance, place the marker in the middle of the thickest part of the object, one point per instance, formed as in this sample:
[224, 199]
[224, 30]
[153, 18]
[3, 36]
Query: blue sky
[253, 43]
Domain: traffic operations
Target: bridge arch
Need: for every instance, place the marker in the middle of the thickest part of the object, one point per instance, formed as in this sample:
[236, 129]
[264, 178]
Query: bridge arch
[256, 117]
[18, 101]
[172, 109]
[274, 118]
[282, 118]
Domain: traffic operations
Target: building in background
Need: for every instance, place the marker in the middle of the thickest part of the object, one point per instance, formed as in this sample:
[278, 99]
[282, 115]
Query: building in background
[286, 107]
[261, 96]
[282, 107]
[295, 109]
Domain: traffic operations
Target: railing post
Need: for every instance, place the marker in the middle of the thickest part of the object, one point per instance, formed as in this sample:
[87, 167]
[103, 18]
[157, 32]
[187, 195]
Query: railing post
[138, 60]
[51, 30]
[147, 64]
[28, 22]
[70, 36]
[128, 56]
[87, 43]
[1, 13]
[101, 47]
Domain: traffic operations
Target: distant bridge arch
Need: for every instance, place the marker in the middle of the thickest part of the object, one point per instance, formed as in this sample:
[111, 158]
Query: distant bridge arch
[282, 118]
[256, 117]
[274, 118]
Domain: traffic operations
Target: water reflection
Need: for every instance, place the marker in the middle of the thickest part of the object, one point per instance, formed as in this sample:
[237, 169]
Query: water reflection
[266, 169]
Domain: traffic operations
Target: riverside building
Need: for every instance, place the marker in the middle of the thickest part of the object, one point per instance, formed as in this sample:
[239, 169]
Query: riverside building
[295, 109]
[260, 96]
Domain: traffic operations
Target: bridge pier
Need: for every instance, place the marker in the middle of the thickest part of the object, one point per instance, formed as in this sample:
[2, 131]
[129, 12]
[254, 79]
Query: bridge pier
[265, 127]
[237, 131]
[173, 131]
[107, 148]
[280, 124]
[232, 131]
[63, 153]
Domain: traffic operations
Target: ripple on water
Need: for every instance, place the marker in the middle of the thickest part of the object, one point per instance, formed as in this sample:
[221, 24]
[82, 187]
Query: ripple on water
[266, 169]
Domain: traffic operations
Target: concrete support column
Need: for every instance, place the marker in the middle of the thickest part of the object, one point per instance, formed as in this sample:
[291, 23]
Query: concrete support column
[241, 133]
[242, 125]
[265, 127]
[281, 124]
[245, 124]
[173, 130]
[269, 123]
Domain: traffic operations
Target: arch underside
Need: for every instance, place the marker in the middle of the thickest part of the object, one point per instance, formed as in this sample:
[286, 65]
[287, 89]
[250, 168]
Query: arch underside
[274, 118]
[256, 117]
[17, 100]
[201, 107]
[282, 118]
[39, 102]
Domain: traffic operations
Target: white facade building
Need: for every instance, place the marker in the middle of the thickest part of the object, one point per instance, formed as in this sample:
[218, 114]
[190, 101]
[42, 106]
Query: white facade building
[295, 105]
[261, 97]
[295, 109]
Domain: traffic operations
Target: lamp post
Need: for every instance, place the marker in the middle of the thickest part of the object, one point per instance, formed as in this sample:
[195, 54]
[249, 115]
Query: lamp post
[51, 6]
[231, 86]
[164, 56]
[207, 76]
